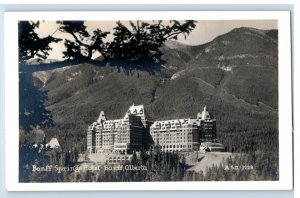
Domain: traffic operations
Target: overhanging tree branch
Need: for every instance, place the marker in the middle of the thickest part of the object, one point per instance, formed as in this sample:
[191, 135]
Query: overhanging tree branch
[78, 31]
[30, 44]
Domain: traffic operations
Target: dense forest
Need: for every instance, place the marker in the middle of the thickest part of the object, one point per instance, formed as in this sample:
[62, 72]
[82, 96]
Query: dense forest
[158, 166]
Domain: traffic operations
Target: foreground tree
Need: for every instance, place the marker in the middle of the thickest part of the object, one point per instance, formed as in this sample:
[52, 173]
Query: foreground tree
[30, 44]
[141, 40]
[83, 45]
[138, 41]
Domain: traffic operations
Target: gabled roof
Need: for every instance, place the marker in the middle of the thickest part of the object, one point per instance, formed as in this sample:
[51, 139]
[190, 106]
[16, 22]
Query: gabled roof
[137, 110]
[175, 123]
[101, 117]
[53, 143]
[205, 115]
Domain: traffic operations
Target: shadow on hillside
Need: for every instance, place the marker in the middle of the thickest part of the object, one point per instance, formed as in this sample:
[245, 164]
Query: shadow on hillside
[32, 111]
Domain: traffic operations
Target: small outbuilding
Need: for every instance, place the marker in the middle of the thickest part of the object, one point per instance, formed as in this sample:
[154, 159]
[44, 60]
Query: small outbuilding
[53, 143]
[211, 147]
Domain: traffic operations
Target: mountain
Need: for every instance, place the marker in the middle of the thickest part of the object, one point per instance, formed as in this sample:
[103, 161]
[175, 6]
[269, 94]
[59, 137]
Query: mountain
[176, 55]
[235, 76]
[234, 61]
[38, 61]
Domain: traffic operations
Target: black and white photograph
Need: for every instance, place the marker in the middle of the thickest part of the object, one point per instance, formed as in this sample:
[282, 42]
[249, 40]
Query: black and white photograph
[142, 100]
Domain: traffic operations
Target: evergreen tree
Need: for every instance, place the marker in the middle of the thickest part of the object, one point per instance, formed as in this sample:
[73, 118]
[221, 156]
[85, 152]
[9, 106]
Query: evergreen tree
[30, 44]
[134, 160]
[142, 40]
[83, 45]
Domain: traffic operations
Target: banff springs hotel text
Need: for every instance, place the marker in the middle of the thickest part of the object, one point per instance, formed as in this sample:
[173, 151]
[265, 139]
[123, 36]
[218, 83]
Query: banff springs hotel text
[134, 132]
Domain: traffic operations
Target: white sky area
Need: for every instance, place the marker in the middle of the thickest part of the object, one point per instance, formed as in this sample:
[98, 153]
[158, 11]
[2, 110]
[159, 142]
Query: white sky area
[204, 32]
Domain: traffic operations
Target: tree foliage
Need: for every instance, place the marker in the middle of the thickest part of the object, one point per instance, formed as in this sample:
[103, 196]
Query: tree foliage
[84, 45]
[141, 40]
[138, 41]
[30, 44]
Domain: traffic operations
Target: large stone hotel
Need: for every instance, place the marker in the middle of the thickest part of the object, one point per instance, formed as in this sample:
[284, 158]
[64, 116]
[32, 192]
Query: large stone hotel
[122, 135]
[134, 132]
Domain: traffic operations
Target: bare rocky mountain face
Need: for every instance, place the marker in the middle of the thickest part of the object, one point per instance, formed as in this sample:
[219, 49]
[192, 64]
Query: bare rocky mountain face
[235, 76]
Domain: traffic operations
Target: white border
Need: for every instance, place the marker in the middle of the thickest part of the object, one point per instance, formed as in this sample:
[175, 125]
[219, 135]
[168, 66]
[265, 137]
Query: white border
[285, 106]
[158, 2]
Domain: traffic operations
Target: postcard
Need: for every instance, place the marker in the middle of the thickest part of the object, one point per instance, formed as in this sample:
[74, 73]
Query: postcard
[148, 100]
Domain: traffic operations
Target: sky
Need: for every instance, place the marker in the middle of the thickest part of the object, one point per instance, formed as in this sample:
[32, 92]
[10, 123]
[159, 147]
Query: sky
[205, 31]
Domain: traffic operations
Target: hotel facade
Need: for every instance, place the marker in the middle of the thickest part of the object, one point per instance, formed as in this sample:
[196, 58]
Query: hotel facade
[134, 132]
[184, 134]
[121, 135]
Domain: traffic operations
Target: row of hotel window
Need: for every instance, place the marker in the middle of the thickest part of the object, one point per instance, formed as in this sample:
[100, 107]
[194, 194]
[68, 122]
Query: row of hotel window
[170, 132]
[182, 126]
[166, 142]
[176, 146]
[113, 160]
[172, 137]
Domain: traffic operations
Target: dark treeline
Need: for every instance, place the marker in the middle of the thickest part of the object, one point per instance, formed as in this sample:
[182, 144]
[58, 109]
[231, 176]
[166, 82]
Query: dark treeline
[40, 156]
[255, 166]
[159, 166]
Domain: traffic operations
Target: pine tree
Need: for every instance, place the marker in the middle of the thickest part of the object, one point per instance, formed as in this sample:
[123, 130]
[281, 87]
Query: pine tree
[83, 45]
[142, 41]
[30, 44]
